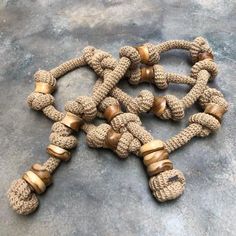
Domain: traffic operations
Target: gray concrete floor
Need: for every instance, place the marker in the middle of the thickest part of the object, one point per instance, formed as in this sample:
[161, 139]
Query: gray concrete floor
[96, 193]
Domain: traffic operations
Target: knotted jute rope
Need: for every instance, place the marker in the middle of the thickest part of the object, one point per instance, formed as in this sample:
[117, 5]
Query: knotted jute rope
[123, 133]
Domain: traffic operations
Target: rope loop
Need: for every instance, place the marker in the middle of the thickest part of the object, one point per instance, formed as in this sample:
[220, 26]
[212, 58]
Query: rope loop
[39, 101]
[160, 78]
[142, 103]
[199, 45]
[120, 121]
[132, 54]
[174, 109]
[209, 123]
[208, 65]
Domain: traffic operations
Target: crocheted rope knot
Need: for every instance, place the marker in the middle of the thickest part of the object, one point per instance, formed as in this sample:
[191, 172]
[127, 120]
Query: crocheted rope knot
[208, 65]
[45, 77]
[61, 136]
[154, 56]
[22, 198]
[142, 103]
[132, 54]
[96, 137]
[97, 62]
[212, 95]
[168, 185]
[39, 101]
[208, 122]
[134, 76]
[127, 144]
[84, 107]
[108, 101]
[199, 45]
[119, 123]
[160, 79]
[174, 109]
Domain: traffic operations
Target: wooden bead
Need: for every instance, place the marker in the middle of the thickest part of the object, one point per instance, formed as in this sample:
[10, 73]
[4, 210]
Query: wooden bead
[72, 121]
[205, 55]
[42, 173]
[45, 88]
[143, 53]
[158, 167]
[215, 110]
[34, 181]
[58, 152]
[155, 157]
[159, 105]
[147, 74]
[112, 139]
[112, 111]
[150, 147]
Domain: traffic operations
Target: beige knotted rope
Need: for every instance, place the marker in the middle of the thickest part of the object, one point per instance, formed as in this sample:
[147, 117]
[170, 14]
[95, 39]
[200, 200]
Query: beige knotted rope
[124, 134]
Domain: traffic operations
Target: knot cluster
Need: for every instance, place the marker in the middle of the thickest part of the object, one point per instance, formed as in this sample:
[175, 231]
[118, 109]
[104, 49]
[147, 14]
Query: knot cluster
[123, 133]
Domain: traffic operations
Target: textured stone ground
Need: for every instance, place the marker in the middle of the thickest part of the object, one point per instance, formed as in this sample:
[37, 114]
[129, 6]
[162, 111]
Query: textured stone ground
[96, 193]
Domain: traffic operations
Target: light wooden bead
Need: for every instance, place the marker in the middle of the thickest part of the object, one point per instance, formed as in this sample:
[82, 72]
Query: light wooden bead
[45, 88]
[143, 53]
[42, 173]
[155, 157]
[72, 121]
[150, 147]
[147, 74]
[112, 111]
[58, 152]
[34, 181]
[158, 167]
[215, 110]
[112, 139]
[159, 105]
[205, 55]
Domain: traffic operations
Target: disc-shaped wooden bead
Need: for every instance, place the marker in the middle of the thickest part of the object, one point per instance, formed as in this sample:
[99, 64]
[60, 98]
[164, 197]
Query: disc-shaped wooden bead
[112, 139]
[42, 173]
[150, 147]
[72, 121]
[159, 167]
[143, 53]
[147, 74]
[159, 105]
[112, 111]
[215, 110]
[45, 88]
[155, 157]
[58, 152]
[35, 182]
[205, 55]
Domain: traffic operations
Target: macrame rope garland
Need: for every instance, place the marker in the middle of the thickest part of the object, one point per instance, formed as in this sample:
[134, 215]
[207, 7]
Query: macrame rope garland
[124, 133]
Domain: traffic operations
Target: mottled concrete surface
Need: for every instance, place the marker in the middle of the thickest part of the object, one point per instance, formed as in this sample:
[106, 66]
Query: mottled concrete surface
[96, 193]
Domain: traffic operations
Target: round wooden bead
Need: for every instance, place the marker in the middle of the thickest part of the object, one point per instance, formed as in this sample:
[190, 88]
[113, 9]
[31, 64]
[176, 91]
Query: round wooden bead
[58, 152]
[34, 181]
[205, 55]
[72, 121]
[42, 173]
[159, 105]
[150, 147]
[112, 139]
[45, 88]
[215, 110]
[155, 157]
[158, 167]
[143, 53]
[147, 74]
[112, 111]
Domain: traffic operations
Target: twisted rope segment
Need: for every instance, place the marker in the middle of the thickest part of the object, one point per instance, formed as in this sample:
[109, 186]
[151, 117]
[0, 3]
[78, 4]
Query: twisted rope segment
[125, 133]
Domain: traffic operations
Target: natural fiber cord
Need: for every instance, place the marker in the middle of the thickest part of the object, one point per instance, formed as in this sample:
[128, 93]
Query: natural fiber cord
[124, 133]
